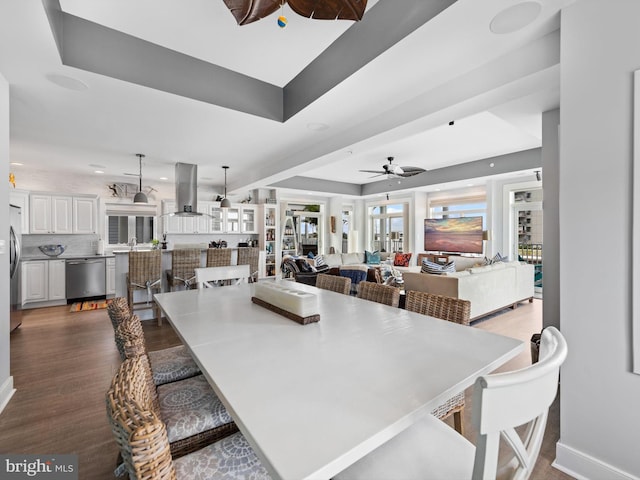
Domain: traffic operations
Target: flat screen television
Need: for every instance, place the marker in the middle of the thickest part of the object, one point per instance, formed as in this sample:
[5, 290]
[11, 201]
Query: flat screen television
[453, 235]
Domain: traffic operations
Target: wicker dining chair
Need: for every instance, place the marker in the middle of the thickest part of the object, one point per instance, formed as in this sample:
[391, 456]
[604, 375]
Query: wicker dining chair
[167, 365]
[380, 293]
[218, 257]
[192, 412]
[183, 263]
[250, 256]
[145, 273]
[453, 310]
[118, 310]
[334, 283]
[144, 445]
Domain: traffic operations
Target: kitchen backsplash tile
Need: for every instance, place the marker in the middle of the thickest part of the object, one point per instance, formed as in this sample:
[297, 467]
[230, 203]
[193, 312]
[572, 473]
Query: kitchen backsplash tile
[76, 244]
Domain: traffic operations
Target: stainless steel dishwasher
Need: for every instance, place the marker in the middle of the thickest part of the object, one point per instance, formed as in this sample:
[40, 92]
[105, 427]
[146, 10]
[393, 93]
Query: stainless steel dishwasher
[85, 278]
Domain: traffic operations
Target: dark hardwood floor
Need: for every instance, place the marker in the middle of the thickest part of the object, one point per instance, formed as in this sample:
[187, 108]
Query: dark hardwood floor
[62, 364]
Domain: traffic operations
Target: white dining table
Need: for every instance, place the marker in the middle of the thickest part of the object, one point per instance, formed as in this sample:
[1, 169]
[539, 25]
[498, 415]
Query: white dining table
[313, 399]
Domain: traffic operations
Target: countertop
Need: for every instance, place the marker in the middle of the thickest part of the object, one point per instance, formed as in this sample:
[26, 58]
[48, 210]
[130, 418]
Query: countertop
[71, 256]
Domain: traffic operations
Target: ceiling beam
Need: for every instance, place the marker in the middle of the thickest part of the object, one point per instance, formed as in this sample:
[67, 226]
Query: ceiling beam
[95, 48]
[383, 25]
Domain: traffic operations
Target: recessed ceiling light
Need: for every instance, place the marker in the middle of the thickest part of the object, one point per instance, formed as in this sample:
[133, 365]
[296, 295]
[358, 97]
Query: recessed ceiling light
[67, 82]
[515, 17]
[17, 164]
[317, 127]
[492, 164]
[98, 171]
[164, 178]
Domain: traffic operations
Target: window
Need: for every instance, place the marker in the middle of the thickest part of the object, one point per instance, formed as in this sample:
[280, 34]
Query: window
[124, 222]
[387, 227]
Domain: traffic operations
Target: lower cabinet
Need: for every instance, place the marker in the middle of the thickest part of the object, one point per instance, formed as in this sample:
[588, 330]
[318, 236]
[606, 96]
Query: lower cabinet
[57, 280]
[43, 280]
[111, 276]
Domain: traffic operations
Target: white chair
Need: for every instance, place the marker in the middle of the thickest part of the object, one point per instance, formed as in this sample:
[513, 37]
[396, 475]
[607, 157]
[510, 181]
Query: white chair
[502, 401]
[211, 276]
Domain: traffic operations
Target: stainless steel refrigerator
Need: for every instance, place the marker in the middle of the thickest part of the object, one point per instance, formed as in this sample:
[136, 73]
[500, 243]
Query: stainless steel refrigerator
[15, 243]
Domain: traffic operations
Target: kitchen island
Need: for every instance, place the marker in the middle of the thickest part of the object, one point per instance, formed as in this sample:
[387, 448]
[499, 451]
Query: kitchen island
[122, 266]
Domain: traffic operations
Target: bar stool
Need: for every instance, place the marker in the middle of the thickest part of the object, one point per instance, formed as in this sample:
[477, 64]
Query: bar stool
[218, 257]
[183, 264]
[249, 256]
[145, 273]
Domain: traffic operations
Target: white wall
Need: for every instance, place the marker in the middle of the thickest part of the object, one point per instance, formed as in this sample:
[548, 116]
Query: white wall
[6, 381]
[600, 418]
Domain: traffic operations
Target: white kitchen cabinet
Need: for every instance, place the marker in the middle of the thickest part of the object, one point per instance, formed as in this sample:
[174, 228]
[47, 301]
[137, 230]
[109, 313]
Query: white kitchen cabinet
[35, 281]
[50, 214]
[170, 224]
[20, 198]
[57, 280]
[198, 224]
[111, 276]
[43, 280]
[85, 211]
[235, 219]
[62, 214]
[178, 224]
[249, 219]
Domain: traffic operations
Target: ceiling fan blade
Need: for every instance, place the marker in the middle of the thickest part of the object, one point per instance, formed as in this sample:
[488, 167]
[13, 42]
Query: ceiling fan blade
[248, 11]
[381, 172]
[329, 9]
[411, 171]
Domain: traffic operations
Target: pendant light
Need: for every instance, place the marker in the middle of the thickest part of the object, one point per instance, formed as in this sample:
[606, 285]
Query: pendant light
[140, 196]
[225, 201]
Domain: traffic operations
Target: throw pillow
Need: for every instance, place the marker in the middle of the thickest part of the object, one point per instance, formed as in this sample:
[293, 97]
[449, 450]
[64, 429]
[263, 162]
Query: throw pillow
[372, 258]
[319, 261]
[402, 259]
[437, 268]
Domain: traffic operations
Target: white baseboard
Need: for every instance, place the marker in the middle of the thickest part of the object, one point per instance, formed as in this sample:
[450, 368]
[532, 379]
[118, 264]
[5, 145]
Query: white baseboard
[585, 467]
[6, 392]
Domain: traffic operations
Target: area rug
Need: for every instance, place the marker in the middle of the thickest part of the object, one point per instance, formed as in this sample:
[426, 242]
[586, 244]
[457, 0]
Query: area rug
[89, 305]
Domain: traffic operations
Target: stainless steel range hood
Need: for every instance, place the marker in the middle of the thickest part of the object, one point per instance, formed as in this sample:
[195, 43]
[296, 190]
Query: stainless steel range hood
[187, 190]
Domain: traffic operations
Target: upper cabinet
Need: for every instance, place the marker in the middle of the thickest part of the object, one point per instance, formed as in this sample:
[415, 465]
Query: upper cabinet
[20, 198]
[249, 218]
[62, 214]
[184, 224]
[238, 218]
[235, 219]
[84, 215]
[51, 214]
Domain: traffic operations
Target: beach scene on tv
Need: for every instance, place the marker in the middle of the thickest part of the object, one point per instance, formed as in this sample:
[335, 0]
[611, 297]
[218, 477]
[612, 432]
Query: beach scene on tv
[454, 235]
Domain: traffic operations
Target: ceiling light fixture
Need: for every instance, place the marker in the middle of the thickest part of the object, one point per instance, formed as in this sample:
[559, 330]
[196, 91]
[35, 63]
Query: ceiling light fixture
[225, 201]
[248, 11]
[140, 196]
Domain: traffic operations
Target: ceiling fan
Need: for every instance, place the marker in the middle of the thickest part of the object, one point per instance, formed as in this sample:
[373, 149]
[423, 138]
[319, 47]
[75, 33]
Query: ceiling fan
[248, 11]
[396, 170]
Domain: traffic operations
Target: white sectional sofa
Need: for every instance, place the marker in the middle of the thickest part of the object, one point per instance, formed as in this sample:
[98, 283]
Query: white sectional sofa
[488, 288]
